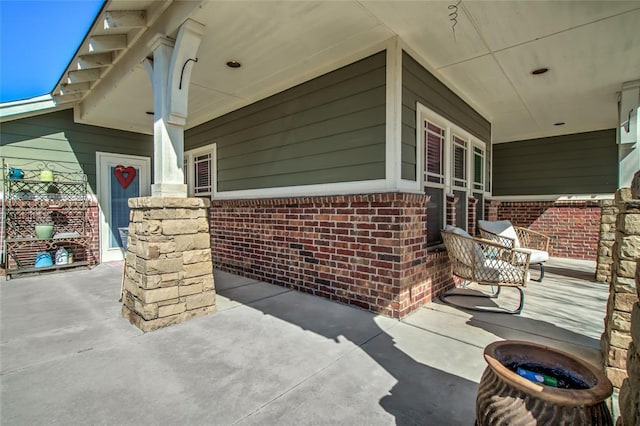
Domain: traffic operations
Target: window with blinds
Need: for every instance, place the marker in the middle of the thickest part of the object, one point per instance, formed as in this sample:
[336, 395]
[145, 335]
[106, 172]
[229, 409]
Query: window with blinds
[202, 174]
[478, 168]
[454, 163]
[434, 152]
[199, 171]
[459, 162]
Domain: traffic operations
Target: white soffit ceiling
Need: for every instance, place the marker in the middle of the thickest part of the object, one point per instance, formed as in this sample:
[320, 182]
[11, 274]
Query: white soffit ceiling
[591, 48]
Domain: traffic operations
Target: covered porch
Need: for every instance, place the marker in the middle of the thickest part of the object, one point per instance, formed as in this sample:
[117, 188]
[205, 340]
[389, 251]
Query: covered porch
[269, 355]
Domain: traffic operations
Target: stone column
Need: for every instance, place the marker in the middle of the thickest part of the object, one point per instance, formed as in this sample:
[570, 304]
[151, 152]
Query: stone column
[622, 289]
[608, 219]
[168, 270]
[629, 399]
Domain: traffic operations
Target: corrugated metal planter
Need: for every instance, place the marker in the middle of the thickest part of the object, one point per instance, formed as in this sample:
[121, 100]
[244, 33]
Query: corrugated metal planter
[506, 398]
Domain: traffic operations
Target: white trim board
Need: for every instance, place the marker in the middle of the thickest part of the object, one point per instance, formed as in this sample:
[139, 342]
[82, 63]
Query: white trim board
[24, 108]
[553, 197]
[325, 189]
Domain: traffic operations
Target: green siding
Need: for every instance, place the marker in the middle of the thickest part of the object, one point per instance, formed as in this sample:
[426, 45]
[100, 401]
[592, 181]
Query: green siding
[581, 163]
[55, 137]
[327, 130]
[419, 85]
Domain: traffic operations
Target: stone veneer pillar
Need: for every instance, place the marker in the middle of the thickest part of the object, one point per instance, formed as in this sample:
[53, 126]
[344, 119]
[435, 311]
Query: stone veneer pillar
[606, 240]
[629, 399]
[168, 269]
[622, 288]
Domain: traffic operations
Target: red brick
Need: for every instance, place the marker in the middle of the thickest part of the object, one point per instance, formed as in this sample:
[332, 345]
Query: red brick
[364, 250]
[573, 226]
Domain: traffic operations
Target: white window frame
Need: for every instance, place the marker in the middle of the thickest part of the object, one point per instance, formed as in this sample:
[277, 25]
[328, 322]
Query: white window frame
[426, 114]
[189, 160]
[472, 180]
[459, 184]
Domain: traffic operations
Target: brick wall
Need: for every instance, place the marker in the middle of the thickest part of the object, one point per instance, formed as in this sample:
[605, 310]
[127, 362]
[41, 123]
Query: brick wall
[93, 230]
[472, 220]
[491, 209]
[362, 250]
[451, 204]
[574, 226]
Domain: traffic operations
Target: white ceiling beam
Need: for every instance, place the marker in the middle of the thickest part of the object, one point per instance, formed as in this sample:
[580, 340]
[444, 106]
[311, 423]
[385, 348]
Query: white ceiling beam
[80, 76]
[107, 43]
[124, 19]
[96, 60]
[75, 88]
[167, 23]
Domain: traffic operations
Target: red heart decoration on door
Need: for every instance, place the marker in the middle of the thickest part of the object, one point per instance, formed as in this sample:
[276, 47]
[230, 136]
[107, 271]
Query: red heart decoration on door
[125, 175]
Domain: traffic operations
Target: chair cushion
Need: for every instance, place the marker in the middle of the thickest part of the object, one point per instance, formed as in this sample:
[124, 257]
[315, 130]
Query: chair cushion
[457, 231]
[500, 227]
[537, 256]
[478, 255]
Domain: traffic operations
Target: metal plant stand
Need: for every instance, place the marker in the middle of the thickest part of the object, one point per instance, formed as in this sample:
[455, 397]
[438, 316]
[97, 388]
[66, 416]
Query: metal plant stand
[41, 193]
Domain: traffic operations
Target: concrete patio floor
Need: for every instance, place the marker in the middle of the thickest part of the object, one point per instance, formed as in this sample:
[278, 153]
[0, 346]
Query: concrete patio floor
[270, 355]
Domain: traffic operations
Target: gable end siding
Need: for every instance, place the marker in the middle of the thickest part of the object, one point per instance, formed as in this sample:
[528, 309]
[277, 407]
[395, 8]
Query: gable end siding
[581, 163]
[56, 138]
[327, 130]
[419, 85]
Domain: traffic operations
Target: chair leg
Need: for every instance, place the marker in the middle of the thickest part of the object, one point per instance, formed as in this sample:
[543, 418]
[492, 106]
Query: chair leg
[541, 273]
[443, 298]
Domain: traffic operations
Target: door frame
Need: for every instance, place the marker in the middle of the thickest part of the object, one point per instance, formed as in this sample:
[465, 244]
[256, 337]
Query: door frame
[103, 160]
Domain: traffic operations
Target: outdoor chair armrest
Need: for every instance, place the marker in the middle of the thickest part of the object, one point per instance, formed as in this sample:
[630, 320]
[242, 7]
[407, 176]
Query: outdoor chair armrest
[513, 256]
[532, 239]
[501, 265]
[521, 257]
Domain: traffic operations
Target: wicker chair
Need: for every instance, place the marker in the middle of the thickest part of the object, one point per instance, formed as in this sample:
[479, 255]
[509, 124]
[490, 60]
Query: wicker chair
[503, 232]
[487, 263]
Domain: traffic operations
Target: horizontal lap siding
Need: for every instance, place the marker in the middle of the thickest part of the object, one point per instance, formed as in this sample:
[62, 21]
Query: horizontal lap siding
[419, 85]
[55, 137]
[581, 163]
[330, 129]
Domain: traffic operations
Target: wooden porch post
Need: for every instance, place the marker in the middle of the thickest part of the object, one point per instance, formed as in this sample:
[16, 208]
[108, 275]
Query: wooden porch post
[170, 73]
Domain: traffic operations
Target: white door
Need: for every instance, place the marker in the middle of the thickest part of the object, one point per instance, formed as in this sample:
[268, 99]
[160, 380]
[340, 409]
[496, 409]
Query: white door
[119, 177]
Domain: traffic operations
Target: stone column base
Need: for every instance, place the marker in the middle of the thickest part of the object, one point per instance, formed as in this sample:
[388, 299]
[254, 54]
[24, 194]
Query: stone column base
[168, 269]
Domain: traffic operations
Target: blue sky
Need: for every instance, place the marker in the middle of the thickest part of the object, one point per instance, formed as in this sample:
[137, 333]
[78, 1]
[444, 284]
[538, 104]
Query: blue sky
[37, 41]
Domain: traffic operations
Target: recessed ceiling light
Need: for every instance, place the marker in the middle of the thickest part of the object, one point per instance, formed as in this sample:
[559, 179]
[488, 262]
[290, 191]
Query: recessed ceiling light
[234, 64]
[559, 123]
[539, 71]
[149, 112]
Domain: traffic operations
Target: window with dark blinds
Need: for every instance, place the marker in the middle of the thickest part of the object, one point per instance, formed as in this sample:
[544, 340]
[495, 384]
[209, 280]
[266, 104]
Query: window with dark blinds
[453, 164]
[434, 152]
[202, 174]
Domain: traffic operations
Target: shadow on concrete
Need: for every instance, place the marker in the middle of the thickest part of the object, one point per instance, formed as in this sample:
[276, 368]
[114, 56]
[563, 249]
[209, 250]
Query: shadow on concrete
[572, 273]
[538, 331]
[421, 394]
[555, 316]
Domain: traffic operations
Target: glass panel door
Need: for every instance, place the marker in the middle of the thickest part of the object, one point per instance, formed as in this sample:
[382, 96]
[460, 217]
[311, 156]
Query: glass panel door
[120, 177]
[121, 191]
